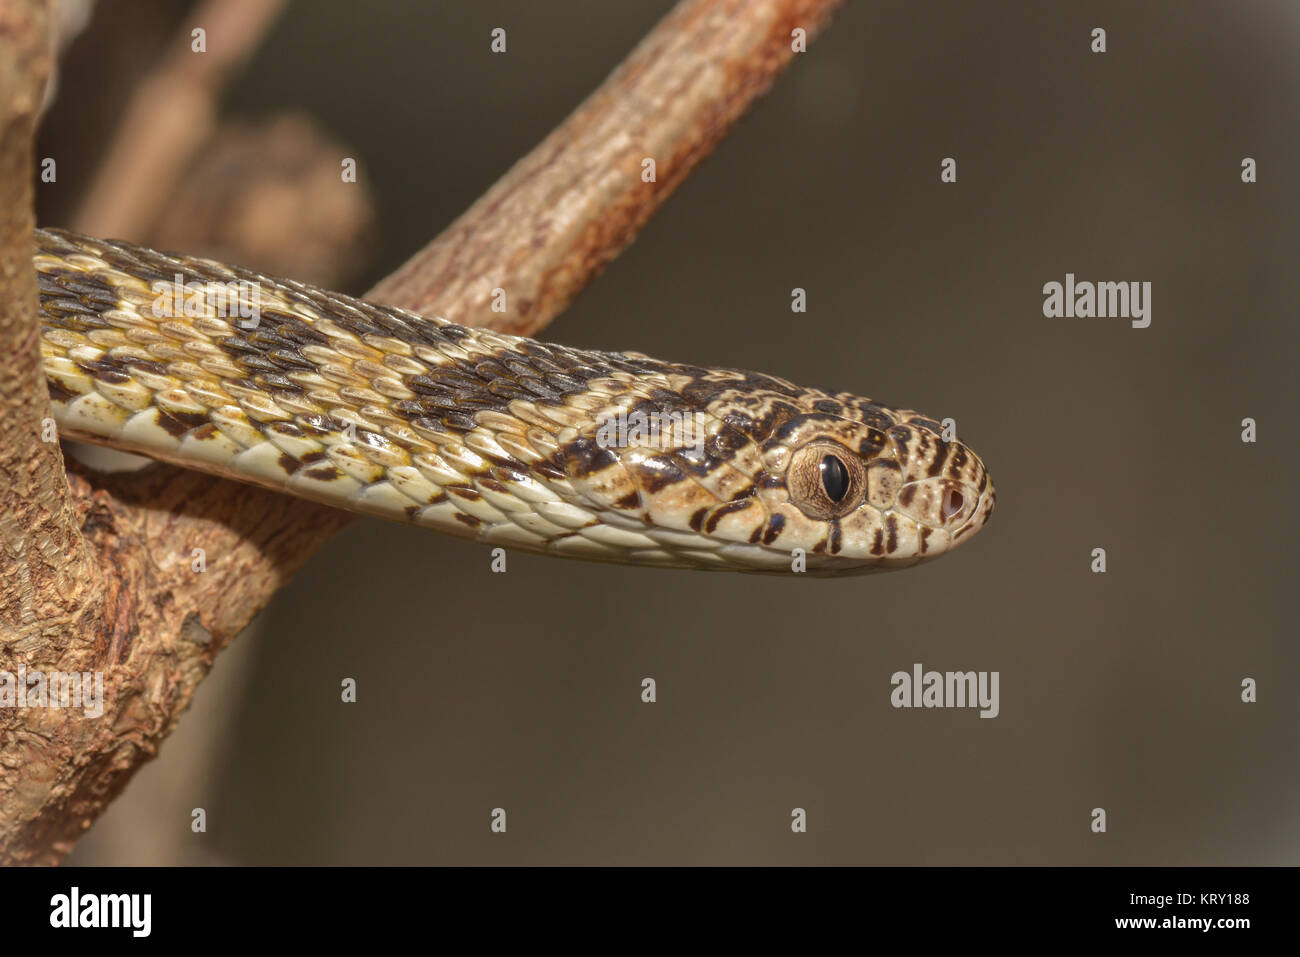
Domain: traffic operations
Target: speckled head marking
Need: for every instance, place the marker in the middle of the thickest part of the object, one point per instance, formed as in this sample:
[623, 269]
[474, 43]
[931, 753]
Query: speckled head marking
[856, 486]
[510, 441]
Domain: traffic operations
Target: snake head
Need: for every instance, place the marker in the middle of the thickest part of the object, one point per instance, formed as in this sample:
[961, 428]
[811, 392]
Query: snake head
[859, 492]
[776, 478]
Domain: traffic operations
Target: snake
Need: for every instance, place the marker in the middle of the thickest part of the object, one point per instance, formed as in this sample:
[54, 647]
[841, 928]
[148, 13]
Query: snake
[509, 441]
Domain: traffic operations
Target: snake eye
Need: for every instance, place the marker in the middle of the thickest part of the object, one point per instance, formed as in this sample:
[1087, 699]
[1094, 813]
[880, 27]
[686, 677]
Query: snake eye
[835, 478]
[825, 480]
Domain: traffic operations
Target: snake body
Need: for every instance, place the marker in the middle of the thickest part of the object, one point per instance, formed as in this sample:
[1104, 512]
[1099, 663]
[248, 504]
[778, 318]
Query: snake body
[509, 441]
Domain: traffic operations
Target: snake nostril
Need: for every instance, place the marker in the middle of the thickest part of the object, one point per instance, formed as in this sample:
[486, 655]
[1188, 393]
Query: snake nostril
[952, 503]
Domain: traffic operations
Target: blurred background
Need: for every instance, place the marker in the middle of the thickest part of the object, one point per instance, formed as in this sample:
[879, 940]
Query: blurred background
[522, 691]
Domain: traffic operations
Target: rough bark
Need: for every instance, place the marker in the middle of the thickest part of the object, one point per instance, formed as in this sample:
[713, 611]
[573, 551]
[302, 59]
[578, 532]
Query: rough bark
[100, 572]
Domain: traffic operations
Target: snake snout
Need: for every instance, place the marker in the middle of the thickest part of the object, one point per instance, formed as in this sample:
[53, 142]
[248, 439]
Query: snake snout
[939, 503]
[947, 491]
[981, 509]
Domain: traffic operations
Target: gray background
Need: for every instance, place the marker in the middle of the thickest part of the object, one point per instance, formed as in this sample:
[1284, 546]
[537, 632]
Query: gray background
[1119, 691]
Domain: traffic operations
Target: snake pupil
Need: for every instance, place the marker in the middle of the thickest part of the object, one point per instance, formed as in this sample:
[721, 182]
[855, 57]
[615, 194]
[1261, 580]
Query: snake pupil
[835, 478]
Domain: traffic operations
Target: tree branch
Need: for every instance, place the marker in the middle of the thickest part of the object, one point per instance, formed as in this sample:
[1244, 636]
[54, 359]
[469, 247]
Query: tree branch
[116, 588]
[547, 227]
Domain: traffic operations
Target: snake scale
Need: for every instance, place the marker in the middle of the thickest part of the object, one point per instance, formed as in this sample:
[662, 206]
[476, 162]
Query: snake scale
[603, 456]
